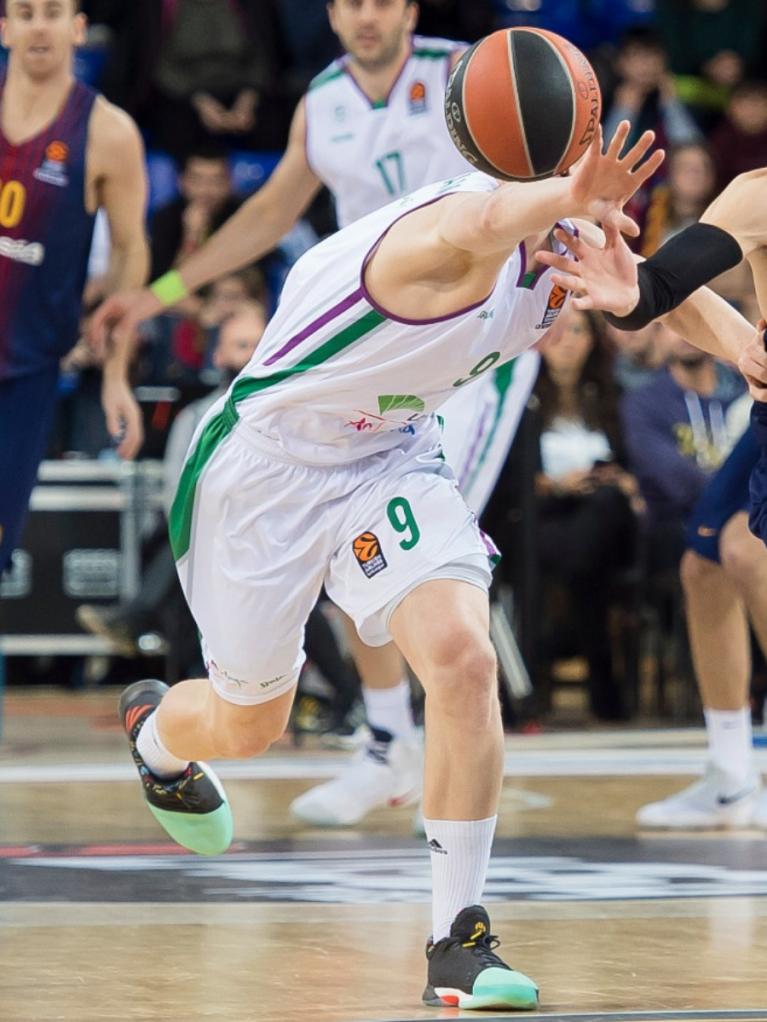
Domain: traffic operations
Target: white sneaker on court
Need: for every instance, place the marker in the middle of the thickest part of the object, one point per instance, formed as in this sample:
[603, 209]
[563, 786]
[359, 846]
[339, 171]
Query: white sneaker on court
[716, 801]
[759, 819]
[364, 784]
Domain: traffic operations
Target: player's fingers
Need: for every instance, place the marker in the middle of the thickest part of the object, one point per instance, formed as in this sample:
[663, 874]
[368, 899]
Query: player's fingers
[756, 389]
[618, 140]
[558, 262]
[573, 242]
[648, 168]
[621, 222]
[583, 303]
[567, 281]
[638, 150]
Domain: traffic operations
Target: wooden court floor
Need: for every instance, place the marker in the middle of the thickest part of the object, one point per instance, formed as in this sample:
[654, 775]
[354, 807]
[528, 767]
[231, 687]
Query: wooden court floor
[102, 919]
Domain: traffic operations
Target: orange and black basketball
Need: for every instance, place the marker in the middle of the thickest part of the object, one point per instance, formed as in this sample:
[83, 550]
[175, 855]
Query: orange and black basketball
[523, 104]
[366, 546]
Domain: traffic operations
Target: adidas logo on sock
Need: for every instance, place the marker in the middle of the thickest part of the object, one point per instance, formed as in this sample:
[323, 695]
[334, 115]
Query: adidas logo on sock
[435, 846]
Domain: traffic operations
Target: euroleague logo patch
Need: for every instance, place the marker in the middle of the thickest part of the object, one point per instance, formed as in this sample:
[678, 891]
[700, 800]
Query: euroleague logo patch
[367, 550]
[417, 97]
[554, 306]
[54, 167]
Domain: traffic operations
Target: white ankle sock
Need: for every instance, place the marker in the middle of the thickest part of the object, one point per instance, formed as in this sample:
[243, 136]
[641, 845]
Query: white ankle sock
[729, 741]
[388, 709]
[151, 749]
[460, 852]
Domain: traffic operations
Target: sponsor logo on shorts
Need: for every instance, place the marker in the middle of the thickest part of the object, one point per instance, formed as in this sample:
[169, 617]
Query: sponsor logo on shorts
[706, 532]
[367, 550]
[20, 251]
[53, 170]
[416, 97]
[554, 307]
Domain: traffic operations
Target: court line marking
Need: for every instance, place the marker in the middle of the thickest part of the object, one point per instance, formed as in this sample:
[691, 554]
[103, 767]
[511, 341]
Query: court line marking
[534, 763]
[752, 1014]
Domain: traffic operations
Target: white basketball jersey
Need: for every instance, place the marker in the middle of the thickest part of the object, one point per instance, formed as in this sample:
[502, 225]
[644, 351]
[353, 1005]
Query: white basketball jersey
[337, 377]
[368, 154]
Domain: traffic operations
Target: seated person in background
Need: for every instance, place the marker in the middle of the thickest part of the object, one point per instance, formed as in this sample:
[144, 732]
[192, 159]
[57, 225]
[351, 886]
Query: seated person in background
[639, 354]
[676, 438]
[586, 525]
[739, 143]
[645, 94]
[205, 201]
[714, 44]
[681, 199]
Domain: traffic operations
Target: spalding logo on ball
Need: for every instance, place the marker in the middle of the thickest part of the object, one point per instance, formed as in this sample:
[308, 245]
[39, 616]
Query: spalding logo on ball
[523, 104]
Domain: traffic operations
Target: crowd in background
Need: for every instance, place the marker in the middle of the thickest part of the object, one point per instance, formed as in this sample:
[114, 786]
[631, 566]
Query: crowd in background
[626, 428]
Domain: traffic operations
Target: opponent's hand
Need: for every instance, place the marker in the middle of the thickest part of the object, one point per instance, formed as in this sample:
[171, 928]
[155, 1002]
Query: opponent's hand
[605, 277]
[752, 362]
[123, 416]
[602, 183]
[118, 318]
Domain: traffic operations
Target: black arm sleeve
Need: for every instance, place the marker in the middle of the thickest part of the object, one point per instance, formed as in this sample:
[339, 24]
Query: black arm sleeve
[686, 262]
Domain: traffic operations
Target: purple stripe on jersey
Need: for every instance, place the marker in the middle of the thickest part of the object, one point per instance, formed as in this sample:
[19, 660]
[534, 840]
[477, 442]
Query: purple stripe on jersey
[391, 315]
[478, 438]
[315, 325]
[385, 101]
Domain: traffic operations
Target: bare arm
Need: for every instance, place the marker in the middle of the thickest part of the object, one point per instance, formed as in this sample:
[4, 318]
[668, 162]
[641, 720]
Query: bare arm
[260, 222]
[711, 324]
[741, 210]
[253, 230]
[497, 222]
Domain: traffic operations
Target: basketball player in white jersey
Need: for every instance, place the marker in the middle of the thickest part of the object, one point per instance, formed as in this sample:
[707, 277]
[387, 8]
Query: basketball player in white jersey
[282, 493]
[371, 128]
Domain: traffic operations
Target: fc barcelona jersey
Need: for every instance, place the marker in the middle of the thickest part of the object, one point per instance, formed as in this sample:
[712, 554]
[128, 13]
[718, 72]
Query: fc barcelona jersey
[45, 238]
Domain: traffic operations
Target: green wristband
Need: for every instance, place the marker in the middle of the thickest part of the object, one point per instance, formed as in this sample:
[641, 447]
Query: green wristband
[169, 288]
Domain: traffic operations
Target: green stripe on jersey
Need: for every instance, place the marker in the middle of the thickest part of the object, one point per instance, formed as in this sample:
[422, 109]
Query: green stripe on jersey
[428, 54]
[222, 424]
[325, 77]
[502, 378]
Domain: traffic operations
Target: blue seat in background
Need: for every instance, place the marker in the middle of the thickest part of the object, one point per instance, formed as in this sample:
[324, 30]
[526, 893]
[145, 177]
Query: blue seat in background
[587, 23]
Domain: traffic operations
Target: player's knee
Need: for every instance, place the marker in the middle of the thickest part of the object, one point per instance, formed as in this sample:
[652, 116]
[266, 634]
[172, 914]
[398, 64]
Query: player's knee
[695, 570]
[465, 676]
[743, 557]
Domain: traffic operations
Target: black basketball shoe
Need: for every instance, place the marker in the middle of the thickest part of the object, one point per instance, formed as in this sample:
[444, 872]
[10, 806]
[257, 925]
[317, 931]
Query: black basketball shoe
[465, 971]
[192, 808]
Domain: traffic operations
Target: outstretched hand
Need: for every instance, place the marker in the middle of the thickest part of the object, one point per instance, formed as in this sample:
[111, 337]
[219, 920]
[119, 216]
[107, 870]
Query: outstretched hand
[753, 364]
[602, 183]
[603, 278]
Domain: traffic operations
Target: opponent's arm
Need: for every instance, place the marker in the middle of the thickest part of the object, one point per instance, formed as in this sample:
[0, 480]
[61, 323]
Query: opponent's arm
[116, 158]
[251, 232]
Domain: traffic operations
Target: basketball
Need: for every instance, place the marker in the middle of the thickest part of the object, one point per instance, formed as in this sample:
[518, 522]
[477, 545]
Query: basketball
[523, 104]
[365, 547]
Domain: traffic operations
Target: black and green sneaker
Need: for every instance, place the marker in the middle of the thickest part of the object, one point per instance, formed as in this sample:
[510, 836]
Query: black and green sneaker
[465, 971]
[192, 808]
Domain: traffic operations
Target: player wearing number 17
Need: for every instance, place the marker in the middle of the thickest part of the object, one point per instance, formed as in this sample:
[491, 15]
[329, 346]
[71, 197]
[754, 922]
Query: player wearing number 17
[301, 477]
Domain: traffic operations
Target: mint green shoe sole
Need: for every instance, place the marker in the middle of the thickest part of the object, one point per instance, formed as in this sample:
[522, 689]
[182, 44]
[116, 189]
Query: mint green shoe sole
[501, 989]
[208, 834]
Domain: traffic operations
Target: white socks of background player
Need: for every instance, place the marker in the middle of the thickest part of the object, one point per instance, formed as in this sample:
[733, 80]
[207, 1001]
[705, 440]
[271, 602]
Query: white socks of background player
[460, 853]
[730, 741]
[388, 709]
[162, 763]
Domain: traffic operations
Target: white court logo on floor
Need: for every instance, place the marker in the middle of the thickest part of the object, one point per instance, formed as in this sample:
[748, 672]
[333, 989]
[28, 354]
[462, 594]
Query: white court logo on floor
[365, 877]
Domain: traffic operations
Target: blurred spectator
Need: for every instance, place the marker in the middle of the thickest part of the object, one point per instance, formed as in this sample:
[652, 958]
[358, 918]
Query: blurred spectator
[212, 65]
[586, 22]
[646, 95]
[309, 43]
[639, 355]
[207, 199]
[714, 44]
[586, 526]
[681, 199]
[739, 143]
[677, 437]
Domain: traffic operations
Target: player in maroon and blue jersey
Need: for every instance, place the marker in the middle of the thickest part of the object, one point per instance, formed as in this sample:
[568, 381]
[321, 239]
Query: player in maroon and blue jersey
[64, 152]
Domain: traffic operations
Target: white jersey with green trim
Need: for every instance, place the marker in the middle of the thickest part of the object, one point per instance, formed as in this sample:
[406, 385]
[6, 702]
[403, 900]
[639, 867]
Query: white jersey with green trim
[337, 377]
[366, 153]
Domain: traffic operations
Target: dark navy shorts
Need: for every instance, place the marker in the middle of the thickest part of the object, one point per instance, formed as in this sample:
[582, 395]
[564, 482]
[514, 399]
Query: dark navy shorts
[725, 494]
[27, 405]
